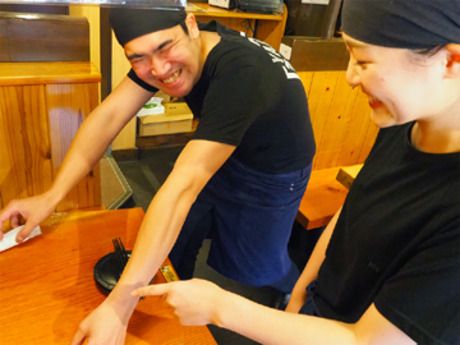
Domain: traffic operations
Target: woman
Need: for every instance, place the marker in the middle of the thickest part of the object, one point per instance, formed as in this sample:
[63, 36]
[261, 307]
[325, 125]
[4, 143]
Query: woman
[387, 268]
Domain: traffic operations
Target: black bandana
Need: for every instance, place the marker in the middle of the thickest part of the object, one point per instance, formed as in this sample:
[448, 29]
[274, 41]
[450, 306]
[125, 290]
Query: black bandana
[412, 24]
[130, 23]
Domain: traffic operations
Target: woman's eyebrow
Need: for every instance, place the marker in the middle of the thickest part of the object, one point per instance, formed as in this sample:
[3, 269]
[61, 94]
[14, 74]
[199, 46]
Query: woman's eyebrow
[354, 44]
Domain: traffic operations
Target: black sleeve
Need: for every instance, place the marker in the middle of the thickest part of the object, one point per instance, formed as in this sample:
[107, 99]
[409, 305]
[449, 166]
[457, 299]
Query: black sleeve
[133, 76]
[237, 94]
[423, 298]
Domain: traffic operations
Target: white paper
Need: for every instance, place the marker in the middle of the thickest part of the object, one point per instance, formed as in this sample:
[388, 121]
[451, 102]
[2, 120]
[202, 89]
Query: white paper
[152, 107]
[9, 238]
[286, 51]
[316, 2]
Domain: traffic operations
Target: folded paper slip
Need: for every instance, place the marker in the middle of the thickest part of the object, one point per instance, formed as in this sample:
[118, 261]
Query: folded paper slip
[9, 238]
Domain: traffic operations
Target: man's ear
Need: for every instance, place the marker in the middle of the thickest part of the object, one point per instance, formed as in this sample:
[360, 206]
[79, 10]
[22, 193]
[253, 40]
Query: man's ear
[192, 25]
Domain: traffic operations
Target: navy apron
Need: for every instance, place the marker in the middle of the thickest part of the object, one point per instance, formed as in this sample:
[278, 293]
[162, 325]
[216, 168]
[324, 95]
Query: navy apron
[248, 215]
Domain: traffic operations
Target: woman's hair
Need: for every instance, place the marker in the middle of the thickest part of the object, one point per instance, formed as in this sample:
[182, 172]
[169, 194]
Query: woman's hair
[409, 24]
[428, 51]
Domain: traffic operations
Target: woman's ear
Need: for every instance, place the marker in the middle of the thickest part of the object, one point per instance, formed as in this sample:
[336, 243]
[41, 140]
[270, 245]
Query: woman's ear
[452, 64]
[453, 58]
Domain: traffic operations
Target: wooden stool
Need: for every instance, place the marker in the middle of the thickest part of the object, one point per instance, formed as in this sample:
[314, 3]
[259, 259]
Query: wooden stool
[322, 199]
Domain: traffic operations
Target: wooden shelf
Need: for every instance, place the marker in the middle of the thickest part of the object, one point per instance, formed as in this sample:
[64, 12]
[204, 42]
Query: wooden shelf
[33, 73]
[205, 10]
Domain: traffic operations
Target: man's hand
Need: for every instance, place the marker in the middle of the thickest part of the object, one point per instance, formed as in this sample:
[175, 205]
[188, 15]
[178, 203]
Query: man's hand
[31, 210]
[195, 302]
[104, 326]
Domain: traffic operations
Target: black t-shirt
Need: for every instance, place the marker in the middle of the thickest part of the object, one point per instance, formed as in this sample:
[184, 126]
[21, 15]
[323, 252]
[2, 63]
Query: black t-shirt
[250, 96]
[397, 243]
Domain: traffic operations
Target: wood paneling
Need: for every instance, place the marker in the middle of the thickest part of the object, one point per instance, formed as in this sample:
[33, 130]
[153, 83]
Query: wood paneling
[38, 119]
[42, 37]
[68, 105]
[25, 150]
[340, 116]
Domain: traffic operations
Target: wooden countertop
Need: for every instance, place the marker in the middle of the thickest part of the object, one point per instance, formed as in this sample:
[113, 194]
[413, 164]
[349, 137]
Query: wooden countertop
[47, 284]
[32, 73]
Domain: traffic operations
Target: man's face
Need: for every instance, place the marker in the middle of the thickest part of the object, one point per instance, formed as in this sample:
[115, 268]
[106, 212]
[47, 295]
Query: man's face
[169, 59]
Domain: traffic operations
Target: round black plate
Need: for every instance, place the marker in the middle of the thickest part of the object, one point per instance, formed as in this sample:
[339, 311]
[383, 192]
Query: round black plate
[107, 271]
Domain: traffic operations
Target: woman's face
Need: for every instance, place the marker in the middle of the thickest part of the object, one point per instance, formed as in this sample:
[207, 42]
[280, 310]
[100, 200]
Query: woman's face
[402, 86]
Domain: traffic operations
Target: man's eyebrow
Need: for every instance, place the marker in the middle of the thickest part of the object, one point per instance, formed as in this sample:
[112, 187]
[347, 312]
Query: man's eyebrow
[133, 56]
[162, 45]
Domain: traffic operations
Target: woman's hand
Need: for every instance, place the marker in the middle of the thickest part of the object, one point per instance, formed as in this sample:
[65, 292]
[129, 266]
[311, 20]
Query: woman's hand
[195, 302]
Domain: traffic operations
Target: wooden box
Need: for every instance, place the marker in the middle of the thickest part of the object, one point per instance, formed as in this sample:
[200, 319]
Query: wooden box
[177, 118]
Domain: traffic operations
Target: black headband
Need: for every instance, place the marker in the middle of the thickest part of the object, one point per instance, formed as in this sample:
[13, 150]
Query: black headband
[130, 23]
[412, 24]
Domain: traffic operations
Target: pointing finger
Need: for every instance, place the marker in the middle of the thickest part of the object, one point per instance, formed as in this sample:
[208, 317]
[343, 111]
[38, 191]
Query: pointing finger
[79, 337]
[152, 290]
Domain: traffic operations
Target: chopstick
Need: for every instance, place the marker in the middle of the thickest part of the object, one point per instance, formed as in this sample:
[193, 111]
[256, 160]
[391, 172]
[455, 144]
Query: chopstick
[121, 254]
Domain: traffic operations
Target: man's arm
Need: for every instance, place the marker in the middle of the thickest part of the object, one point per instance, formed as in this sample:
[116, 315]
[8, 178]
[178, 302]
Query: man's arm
[197, 163]
[310, 272]
[89, 144]
[199, 302]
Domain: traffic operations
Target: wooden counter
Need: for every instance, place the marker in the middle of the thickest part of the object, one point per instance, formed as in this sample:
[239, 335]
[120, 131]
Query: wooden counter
[47, 285]
[41, 107]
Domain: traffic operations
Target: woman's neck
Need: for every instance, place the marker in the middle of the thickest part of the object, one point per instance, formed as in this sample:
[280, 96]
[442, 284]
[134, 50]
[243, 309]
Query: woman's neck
[429, 138]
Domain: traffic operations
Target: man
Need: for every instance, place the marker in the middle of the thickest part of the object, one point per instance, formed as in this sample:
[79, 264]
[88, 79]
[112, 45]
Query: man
[238, 181]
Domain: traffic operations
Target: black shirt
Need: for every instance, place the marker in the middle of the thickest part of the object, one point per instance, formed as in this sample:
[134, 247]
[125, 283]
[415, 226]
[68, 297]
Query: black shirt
[397, 243]
[249, 96]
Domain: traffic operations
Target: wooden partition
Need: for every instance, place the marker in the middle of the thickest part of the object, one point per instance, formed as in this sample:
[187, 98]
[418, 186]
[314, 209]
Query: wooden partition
[28, 37]
[41, 107]
[47, 88]
[340, 116]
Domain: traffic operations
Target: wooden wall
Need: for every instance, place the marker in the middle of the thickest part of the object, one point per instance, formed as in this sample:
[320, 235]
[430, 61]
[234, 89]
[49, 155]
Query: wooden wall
[344, 132]
[37, 123]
